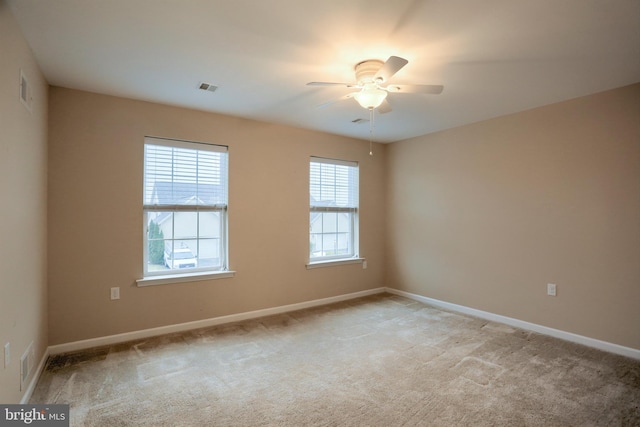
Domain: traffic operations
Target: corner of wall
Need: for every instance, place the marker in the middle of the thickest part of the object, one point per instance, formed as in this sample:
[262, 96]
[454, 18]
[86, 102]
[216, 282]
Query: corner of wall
[23, 221]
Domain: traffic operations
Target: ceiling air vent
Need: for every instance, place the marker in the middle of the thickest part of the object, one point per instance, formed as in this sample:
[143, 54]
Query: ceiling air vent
[208, 87]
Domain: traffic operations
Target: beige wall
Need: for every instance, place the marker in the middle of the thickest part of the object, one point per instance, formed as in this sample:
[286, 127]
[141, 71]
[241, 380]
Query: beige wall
[95, 216]
[23, 195]
[487, 214]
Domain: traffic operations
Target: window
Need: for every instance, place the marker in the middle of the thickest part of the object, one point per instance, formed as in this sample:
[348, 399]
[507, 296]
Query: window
[185, 207]
[333, 223]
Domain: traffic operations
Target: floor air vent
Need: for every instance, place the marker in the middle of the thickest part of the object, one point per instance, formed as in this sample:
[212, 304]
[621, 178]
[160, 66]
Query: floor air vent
[26, 365]
[25, 91]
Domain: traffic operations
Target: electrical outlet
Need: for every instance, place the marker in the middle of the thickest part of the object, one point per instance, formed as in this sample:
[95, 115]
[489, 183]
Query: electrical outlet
[551, 289]
[364, 265]
[7, 354]
[115, 293]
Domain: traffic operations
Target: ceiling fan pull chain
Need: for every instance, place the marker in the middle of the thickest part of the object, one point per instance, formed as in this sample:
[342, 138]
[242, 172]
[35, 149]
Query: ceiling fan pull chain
[371, 118]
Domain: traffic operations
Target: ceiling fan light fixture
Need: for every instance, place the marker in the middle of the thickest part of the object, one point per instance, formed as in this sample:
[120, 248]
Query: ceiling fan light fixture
[370, 97]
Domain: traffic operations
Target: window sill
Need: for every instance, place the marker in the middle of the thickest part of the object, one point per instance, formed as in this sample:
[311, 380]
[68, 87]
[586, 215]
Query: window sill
[333, 262]
[181, 278]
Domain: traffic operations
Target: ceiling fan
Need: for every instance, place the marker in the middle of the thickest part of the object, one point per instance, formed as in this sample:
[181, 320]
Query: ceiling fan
[371, 77]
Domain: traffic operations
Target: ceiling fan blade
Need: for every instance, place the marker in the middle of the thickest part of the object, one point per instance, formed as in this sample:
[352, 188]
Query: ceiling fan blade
[430, 89]
[389, 68]
[331, 84]
[385, 107]
[342, 98]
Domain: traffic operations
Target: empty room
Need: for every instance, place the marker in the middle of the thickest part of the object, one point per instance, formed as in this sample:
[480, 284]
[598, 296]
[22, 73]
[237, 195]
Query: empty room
[338, 213]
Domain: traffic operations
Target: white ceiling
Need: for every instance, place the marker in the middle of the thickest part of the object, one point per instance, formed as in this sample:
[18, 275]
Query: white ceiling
[494, 57]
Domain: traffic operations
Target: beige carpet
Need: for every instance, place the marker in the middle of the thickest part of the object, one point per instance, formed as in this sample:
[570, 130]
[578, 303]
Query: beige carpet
[376, 361]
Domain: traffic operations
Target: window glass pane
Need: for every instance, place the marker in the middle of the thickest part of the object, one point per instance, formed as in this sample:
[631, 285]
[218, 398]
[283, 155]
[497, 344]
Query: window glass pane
[209, 224]
[329, 244]
[181, 254]
[209, 253]
[185, 224]
[315, 243]
[163, 221]
[329, 222]
[156, 242]
[344, 222]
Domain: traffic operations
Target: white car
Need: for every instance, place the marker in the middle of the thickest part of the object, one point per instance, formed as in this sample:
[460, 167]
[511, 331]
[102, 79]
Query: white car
[180, 258]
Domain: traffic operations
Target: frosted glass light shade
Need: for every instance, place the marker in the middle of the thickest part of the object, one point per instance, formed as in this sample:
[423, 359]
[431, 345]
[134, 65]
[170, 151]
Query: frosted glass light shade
[370, 97]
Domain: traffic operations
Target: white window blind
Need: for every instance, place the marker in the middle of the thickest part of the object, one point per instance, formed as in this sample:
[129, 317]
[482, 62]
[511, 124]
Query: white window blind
[179, 173]
[333, 191]
[333, 184]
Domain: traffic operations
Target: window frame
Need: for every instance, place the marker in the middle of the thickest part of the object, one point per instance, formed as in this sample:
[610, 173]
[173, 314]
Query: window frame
[221, 270]
[354, 217]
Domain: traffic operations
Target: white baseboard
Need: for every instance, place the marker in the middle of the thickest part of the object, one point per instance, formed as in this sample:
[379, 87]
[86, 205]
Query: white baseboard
[567, 336]
[34, 380]
[146, 333]
[181, 327]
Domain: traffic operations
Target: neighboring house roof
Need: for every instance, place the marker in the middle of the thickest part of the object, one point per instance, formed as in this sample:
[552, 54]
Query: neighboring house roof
[322, 203]
[186, 193]
[163, 217]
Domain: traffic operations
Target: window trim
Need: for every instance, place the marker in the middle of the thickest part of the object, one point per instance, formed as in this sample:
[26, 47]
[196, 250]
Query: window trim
[333, 262]
[328, 261]
[168, 279]
[192, 274]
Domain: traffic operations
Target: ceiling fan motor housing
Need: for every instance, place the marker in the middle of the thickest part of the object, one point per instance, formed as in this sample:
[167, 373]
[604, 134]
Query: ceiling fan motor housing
[366, 71]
